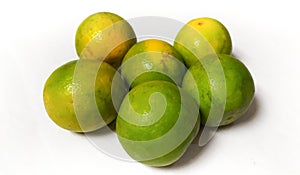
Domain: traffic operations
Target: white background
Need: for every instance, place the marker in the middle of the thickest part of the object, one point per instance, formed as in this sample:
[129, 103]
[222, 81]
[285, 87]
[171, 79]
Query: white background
[38, 36]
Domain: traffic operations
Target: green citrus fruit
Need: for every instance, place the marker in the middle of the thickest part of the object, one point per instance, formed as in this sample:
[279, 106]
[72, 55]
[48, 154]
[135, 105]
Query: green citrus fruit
[157, 121]
[77, 95]
[237, 88]
[201, 37]
[105, 36]
[152, 60]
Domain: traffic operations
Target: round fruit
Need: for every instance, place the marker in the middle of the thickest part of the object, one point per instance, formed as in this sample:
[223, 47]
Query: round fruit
[201, 37]
[105, 36]
[152, 60]
[77, 95]
[157, 122]
[238, 88]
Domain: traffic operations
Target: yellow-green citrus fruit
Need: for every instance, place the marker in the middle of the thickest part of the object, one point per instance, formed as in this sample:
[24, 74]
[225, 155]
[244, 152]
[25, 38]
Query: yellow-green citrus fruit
[152, 59]
[104, 35]
[77, 95]
[239, 88]
[201, 37]
[157, 121]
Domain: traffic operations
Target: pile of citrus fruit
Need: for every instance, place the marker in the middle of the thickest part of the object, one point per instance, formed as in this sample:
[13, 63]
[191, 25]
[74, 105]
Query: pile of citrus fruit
[158, 93]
